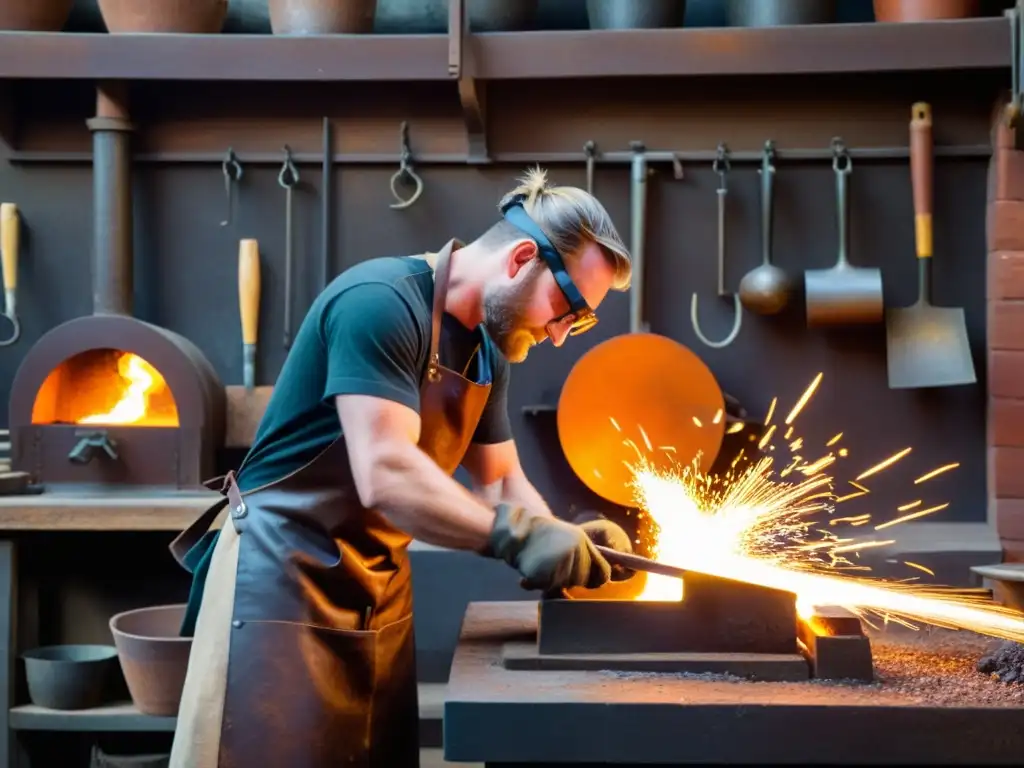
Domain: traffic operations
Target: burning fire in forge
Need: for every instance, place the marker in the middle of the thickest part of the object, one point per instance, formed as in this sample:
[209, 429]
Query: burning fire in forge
[106, 387]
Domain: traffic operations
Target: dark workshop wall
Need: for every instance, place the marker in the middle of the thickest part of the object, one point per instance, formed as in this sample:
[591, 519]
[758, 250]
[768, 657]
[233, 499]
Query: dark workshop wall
[186, 262]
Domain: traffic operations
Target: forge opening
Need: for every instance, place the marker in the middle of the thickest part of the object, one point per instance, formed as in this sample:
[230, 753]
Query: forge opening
[105, 387]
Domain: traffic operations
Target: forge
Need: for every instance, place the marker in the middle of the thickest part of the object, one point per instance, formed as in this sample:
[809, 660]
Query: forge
[721, 626]
[109, 400]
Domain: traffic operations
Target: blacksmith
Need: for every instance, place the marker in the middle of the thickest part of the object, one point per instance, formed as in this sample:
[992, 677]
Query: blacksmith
[301, 606]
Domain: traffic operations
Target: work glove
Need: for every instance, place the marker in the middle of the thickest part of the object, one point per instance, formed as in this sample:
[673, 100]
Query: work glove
[604, 533]
[551, 554]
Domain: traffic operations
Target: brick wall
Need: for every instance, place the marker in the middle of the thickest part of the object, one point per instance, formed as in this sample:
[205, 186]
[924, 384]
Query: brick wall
[1006, 339]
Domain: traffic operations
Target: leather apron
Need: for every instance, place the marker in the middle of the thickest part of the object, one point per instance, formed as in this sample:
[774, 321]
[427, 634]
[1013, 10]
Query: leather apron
[303, 653]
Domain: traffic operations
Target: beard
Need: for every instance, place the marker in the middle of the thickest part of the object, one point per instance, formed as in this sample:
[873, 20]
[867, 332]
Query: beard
[504, 312]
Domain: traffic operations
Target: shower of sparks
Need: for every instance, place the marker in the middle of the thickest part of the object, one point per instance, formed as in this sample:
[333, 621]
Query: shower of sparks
[750, 524]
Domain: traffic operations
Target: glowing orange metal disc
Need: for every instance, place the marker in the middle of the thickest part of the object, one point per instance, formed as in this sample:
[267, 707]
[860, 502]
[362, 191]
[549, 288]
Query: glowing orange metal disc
[631, 386]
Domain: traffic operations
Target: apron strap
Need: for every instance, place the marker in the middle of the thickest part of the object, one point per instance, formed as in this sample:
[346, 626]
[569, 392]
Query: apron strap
[441, 269]
[186, 541]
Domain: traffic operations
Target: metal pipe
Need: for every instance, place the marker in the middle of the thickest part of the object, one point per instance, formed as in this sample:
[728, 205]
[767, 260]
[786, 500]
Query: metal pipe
[112, 202]
[624, 157]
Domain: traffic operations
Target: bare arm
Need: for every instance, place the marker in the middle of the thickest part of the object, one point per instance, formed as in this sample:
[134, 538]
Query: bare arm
[498, 477]
[393, 475]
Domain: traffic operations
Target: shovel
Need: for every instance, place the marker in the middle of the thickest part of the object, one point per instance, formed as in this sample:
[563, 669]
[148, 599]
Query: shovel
[927, 345]
[843, 293]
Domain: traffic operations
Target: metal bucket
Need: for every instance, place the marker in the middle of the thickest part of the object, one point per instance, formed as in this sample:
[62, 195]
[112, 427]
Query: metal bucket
[778, 13]
[426, 17]
[627, 14]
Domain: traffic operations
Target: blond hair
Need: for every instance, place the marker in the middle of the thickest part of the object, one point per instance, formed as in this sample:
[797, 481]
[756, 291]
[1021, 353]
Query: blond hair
[570, 217]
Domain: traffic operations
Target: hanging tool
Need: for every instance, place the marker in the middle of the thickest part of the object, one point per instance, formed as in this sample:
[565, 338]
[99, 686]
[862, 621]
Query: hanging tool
[843, 293]
[927, 345]
[9, 221]
[405, 173]
[766, 289]
[249, 306]
[326, 214]
[232, 175]
[288, 178]
[721, 167]
[590, 152]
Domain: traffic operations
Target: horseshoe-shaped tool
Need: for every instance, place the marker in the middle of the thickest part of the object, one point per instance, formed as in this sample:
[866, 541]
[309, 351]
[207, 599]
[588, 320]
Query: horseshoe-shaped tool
[405, 173]
[721, 167]
[9, 252]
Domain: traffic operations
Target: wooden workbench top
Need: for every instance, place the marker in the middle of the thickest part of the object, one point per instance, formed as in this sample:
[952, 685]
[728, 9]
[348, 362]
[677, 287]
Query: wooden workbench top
[90, 510]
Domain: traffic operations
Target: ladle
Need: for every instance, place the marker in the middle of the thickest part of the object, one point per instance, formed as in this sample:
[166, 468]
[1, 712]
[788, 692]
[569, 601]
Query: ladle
[766, 289]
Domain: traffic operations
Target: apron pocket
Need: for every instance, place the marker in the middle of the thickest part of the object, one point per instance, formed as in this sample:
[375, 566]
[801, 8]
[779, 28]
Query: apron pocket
[305, 695]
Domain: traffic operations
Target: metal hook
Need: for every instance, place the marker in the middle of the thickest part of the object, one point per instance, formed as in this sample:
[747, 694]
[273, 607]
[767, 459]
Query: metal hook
[590, 152]
[405, 172]
[721, 166]
[232, 175]
[15, 329]
[289, 175]
[841, 161]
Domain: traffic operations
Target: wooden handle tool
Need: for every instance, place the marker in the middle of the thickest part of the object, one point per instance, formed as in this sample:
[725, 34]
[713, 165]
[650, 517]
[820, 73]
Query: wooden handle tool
[9, 250]
[921, 172]
[249, 305]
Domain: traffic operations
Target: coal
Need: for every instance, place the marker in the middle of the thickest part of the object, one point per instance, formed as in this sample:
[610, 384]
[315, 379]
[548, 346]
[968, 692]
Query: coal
[1004, 663]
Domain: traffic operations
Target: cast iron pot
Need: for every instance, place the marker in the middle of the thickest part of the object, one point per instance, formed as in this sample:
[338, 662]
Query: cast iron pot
[69, 676]
[426, 17]
[778, 13]
[34, 15]
[627, 14]
[164, 16]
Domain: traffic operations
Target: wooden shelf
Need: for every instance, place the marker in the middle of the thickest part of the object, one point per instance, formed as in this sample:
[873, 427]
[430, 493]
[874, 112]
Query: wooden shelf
[123, 716]
[116, 717]
[94, 511]
[818, 49]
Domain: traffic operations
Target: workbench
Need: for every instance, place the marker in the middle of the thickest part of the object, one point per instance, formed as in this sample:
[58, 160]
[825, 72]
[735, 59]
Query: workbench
[509, 718]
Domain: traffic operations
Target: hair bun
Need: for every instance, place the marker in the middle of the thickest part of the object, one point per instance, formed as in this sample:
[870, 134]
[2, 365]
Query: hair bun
[534, 184]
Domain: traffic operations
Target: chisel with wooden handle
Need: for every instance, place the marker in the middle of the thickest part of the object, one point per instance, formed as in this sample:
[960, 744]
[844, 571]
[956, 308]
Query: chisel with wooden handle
[249, 305]
[9, 252]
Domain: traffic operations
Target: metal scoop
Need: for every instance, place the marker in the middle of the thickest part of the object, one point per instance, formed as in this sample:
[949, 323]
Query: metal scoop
[844, 293]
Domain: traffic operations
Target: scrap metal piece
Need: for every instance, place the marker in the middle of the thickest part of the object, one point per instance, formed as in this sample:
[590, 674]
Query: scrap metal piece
[835, 645]
[715, 616]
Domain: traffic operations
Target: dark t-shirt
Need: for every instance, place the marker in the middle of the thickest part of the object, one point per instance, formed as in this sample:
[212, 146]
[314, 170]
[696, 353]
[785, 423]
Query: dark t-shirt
[368, 333]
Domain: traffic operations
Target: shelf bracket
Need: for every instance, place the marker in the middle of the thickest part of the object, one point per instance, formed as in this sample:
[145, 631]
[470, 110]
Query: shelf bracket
[472, 93]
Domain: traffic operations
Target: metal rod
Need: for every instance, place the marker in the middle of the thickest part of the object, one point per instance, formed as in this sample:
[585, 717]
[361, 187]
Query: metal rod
[624, 157]
[326, 214]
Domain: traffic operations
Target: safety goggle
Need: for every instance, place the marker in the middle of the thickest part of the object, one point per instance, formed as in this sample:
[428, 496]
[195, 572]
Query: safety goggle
[581, 316]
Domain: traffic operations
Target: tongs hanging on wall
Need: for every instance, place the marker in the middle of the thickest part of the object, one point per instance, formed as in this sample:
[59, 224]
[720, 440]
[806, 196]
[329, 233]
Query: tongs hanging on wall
[721, 167]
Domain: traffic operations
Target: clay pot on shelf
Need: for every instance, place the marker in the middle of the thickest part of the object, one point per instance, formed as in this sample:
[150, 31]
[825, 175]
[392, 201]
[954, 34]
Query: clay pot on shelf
[190, 17]
[34, 15]
[153, 655]
[322, 17]
[924, 10]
